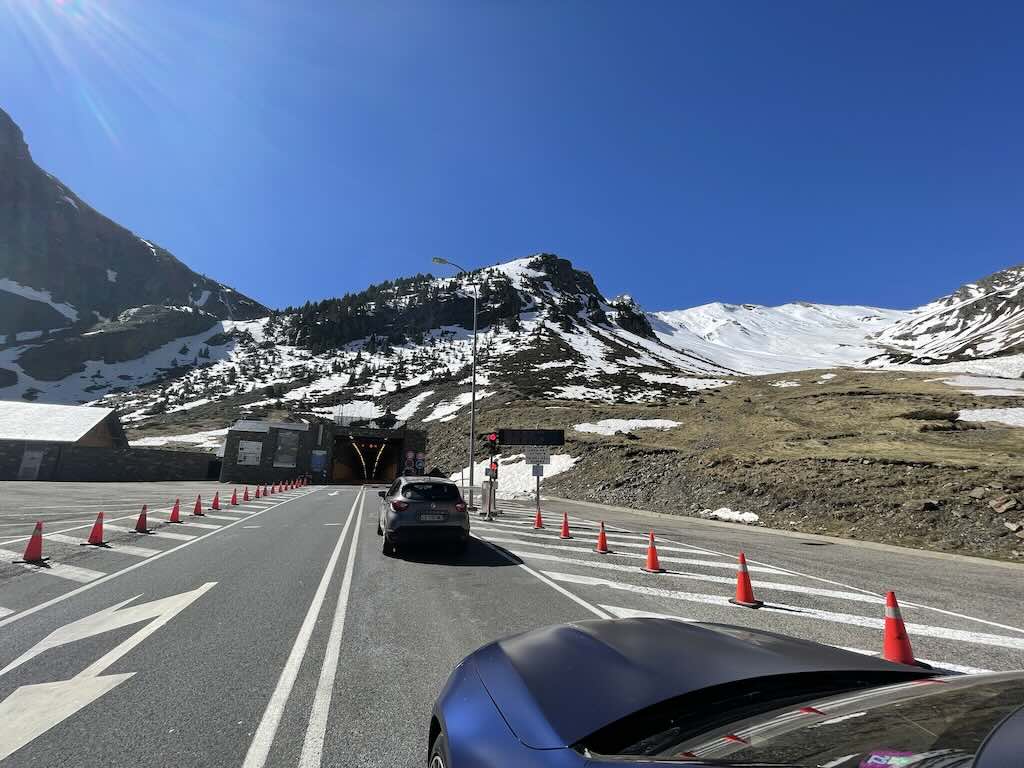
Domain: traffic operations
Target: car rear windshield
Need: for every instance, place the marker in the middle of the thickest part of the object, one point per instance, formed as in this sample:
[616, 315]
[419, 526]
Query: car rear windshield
[912, 725]
[430, 492]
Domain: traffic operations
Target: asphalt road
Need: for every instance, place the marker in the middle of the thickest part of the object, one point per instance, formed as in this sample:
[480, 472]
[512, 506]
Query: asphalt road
[276, 633]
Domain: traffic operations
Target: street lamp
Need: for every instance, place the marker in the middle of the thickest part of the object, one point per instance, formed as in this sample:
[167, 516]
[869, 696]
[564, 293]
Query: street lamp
[472, 396]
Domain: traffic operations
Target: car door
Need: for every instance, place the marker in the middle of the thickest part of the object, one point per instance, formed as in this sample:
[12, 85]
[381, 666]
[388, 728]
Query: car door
[386, 501]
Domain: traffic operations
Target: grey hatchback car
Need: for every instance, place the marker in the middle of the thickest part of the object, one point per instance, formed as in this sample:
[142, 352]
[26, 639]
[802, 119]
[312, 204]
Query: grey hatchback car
[422, 509]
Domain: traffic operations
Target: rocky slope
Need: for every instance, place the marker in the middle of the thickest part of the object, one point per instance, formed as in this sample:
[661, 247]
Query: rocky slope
[64, 265]
[979, 320]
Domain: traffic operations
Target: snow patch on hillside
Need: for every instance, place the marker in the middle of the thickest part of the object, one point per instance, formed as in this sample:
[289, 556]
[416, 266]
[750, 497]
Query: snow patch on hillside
[33, 294]
[449, 409]
[515, 476]
[211, 438]
[1013, 417]
[611, 426]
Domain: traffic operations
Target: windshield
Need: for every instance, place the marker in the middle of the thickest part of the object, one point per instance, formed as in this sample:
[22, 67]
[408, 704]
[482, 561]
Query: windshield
[431, 492]
[912, 725]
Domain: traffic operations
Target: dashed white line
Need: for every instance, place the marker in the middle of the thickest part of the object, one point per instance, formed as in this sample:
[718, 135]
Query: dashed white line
[49, 568]
[158, 533]
[124, 549]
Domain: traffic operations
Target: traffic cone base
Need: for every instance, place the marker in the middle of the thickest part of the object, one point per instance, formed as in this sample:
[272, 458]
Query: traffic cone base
[34, 549]
[652, 565]
[744, 589]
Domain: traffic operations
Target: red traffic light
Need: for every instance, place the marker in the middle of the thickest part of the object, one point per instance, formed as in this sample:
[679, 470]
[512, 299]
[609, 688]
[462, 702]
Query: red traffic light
[493, 437]
[494, 466]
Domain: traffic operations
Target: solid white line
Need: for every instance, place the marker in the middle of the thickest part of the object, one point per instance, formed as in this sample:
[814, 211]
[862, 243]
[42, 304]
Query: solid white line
[313, 743]
[667, 558]
[60, 598]
[124, 549]
[635, 569]
[50, 568]
[541, 577]
[160, 533]
[263, 739]
[629, 613]
[924, 630]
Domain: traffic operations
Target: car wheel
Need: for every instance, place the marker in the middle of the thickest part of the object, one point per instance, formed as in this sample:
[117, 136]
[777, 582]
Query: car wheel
[439, 753]
[380, 531]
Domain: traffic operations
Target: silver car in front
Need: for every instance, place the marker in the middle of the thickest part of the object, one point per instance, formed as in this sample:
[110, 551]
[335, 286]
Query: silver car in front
[422, 510]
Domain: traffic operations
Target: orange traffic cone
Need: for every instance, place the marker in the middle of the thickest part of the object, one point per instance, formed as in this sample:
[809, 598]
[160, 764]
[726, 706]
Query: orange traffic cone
[96, 534]
[538, 521]
[257, 492]
[234, 497]
[266, 490]
[602, 541]
[216, 501]
[199, 506]
[140, 524]
[652, 565]
[895, 643]
[245, 496]
[744, 590]
[565, 527]
[34, 548]
[175, 512]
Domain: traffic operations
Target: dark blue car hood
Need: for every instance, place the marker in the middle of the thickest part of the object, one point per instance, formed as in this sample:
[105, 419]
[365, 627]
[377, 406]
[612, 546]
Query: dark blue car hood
[556, 685]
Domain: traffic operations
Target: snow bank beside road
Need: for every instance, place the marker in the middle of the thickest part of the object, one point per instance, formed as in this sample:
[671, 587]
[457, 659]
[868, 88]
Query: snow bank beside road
[611, 426]
[730, 515]
[515, 476]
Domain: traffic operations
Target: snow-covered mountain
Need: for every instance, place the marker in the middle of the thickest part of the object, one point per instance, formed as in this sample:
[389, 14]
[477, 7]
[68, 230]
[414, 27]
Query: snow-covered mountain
[980, 320]
[752, 339]
[65, 267]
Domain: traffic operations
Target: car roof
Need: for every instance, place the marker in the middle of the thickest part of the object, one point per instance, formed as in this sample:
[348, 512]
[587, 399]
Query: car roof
[425, 479]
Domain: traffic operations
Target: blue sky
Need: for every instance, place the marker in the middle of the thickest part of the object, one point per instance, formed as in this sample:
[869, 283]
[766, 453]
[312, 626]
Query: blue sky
[685, 152]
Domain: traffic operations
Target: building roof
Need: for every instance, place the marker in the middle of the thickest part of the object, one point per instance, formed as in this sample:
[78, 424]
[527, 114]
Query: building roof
[42, 422]
[253, 425]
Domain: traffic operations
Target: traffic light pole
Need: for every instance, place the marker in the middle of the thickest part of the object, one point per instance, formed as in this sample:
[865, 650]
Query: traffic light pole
[472, 408]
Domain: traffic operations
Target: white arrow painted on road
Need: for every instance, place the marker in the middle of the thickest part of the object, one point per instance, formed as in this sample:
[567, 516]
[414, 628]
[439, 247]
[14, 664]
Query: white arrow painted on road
[333, 493]
[33, 709]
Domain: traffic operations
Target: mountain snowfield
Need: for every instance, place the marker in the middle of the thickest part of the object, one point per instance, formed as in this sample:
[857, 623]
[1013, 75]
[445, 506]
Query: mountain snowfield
[547, 333]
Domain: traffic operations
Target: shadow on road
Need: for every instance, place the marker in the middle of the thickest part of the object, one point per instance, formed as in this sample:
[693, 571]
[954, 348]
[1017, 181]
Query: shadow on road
[476, 554]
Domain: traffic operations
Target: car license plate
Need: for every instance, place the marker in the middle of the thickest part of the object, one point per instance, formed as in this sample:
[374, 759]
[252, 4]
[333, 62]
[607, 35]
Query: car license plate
[431, 518]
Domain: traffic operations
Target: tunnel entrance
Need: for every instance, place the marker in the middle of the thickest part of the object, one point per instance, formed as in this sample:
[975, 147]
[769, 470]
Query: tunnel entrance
[361, 459]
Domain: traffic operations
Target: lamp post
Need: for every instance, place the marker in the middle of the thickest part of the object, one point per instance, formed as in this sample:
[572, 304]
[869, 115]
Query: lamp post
[472, 396]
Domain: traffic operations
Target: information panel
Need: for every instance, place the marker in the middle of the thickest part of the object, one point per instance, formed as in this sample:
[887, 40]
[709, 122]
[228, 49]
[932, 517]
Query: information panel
[250, 452]
[531, 436]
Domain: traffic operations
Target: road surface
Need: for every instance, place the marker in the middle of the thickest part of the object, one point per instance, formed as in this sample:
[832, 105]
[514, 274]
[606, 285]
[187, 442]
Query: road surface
[276, 633]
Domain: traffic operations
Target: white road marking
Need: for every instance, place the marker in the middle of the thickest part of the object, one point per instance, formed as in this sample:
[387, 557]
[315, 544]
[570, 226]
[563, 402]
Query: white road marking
[630, 613]
[541, 577]
[209, 526]
[50, 568]
[332, 523]
[924, 630]
[107, 577]
[731, 566]
[5, 611]
[263, 739]
[766, 585]
[124, 549]
[160, 532]
[313, 743]
[31, 710]
[250, 526]
[220, 517]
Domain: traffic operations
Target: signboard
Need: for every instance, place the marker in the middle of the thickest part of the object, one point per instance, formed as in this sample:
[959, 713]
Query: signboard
[287, 452]
[318, 461]
[410, 460]
[31, 459]
[538, 454]
[249, 452]
[487, 471]
[531, 436]
[421, 460]
[538, 470]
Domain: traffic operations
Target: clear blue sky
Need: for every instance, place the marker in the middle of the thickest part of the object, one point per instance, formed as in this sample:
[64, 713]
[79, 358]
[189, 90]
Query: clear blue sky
[684, 151]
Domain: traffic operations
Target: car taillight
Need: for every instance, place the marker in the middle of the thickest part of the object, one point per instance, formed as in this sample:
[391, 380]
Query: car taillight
[460, 507]
[399, 506]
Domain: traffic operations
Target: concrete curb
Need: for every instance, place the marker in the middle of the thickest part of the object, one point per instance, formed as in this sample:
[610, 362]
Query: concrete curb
[796, 535]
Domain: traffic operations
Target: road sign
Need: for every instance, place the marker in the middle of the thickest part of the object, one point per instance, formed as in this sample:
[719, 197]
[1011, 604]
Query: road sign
[538, 454]
[531, 436]
[538, 470]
